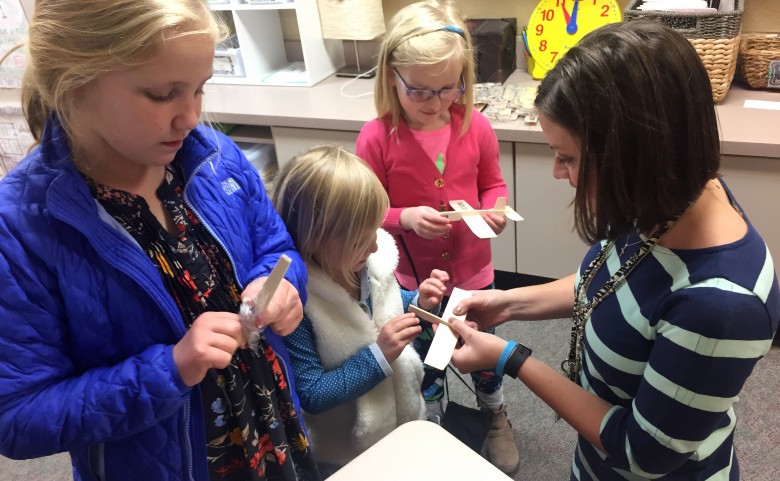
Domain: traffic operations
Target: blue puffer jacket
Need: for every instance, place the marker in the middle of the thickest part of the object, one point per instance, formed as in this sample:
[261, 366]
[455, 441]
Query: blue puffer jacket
[86, 326]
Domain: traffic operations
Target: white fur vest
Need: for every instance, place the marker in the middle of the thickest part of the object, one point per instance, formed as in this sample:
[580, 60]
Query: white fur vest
[342, 328]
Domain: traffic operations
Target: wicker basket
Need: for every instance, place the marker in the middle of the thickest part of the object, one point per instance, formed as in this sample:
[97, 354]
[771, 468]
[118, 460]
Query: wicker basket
[760, 59]
[714, 35]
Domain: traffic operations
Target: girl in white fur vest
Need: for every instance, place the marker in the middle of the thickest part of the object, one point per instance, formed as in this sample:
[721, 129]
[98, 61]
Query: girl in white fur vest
[357, 376]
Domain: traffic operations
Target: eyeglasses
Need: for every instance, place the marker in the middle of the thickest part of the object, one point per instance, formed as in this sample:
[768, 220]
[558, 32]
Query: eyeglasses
[423, 95]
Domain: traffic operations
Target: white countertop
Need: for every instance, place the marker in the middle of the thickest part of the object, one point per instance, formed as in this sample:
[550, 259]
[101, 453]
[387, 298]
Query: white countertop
[748, 132]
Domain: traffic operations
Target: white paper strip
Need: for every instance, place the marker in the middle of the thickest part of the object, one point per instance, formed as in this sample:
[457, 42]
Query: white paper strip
[443, 344]
[762, 104]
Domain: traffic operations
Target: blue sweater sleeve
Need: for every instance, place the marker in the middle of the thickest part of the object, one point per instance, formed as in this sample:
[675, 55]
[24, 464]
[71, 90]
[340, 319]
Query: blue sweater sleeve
[320, 390]
[410, 298]
[269, 235]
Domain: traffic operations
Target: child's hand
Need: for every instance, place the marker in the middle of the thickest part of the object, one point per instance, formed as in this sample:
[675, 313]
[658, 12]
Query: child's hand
[284, 312]
[432, 289]
[425, 221]
[210, 342]
[497, 222]
[396, 334]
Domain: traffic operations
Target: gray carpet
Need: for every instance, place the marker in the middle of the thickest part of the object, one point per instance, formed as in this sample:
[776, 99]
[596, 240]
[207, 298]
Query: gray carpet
[546, 446]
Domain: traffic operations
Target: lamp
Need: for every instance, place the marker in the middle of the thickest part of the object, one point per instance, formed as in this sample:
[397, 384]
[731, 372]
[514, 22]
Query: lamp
[352, 20]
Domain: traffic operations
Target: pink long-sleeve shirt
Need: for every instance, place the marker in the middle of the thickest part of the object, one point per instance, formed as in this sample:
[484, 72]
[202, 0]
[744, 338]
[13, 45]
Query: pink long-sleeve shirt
[472, 173]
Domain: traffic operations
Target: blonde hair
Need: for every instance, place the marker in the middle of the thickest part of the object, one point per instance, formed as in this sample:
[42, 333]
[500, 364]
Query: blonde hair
[72, 42]
[330, 200]
[418, 35]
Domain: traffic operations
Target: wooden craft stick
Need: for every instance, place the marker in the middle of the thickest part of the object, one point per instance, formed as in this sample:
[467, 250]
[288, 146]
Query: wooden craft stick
[428, 316]
[248, 313]
[271, 284]
[461, 213]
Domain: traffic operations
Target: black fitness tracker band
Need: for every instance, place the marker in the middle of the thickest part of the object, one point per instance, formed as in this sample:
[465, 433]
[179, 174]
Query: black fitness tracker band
[516, 359]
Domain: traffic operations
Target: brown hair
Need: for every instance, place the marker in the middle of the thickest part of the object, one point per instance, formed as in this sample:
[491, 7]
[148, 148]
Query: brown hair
[638, 99]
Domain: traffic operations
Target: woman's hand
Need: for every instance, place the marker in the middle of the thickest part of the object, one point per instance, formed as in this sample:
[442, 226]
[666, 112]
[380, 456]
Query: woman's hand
[477, 350]
[487, 308]
[209, 343]
[425, 221]
[432, 289]
[396, 334]
[285, 310]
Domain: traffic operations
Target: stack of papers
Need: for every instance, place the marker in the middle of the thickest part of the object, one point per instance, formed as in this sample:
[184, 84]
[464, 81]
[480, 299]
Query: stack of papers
[506, 102]
[698, 5]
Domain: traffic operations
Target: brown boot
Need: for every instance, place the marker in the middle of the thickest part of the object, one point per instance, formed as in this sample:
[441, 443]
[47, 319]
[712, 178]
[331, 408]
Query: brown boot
[500, 443]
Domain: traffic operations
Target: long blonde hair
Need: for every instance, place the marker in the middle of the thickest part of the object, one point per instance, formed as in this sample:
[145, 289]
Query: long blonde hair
[71, 42]
[421, 34]
[330, 199]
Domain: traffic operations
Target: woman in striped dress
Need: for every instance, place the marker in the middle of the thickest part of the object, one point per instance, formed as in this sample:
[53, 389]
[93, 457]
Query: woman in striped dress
[676, 300]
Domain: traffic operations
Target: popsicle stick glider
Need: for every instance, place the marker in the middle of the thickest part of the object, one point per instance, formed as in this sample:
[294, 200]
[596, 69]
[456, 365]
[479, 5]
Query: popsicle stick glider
[473, 217]
[444, 341]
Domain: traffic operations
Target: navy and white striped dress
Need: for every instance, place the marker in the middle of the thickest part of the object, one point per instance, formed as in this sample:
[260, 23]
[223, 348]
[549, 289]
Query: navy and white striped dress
[671, 349]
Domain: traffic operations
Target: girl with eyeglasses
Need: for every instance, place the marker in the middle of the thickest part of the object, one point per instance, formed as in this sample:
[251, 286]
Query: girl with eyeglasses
[428, 146]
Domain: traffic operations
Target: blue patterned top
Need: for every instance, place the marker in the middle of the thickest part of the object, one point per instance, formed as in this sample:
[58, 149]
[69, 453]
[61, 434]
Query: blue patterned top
[320, 390]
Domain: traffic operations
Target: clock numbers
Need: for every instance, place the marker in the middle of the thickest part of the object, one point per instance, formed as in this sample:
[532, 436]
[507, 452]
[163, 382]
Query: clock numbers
[557, 25]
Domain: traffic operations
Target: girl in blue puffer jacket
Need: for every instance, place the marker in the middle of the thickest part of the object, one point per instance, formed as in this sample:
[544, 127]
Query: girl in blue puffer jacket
[128, 238]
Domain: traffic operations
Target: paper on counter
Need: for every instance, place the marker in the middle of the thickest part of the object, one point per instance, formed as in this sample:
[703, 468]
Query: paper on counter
[762, 104]
[443, 344]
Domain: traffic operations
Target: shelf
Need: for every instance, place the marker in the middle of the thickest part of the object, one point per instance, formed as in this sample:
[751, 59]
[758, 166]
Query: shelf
[252, 134]
[266, 57]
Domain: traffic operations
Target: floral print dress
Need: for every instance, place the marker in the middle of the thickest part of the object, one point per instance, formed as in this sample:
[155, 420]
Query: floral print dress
[253, 431]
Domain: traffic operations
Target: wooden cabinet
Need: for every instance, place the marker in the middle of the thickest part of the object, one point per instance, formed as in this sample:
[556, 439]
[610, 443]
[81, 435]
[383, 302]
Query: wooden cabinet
[754, 182]
[503, 247]
[262, 57]
[292, 141]
[547, 246]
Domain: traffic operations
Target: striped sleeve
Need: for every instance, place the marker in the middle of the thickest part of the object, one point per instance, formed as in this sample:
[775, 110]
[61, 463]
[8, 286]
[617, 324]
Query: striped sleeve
[708, 339]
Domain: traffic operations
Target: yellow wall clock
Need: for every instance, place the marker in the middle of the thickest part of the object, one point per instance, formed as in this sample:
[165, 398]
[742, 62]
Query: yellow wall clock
[557, 25]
